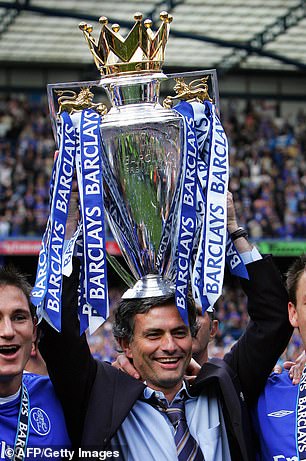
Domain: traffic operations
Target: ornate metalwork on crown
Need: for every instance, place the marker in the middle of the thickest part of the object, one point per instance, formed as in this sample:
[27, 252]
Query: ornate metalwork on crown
[141, 50]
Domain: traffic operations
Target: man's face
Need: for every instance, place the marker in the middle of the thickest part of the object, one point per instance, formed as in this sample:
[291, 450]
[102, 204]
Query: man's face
[17, 333]
[297, 313]
[160, 347]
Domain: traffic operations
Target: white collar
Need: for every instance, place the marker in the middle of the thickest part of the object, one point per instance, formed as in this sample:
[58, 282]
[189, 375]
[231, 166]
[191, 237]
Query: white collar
[9, 398]
[148, 392]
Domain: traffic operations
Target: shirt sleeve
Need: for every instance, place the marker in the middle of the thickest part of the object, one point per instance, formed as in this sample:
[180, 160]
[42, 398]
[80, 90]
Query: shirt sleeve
[250, 256]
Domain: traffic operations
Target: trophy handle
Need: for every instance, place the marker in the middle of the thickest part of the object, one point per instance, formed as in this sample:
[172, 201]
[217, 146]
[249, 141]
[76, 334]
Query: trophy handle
[197, 90]
[72, 102]
[59, 104]
[199, 75]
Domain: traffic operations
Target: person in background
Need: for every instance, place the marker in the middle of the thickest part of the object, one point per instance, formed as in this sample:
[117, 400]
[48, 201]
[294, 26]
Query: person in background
[278, 416]
[30, 413]
[208, 327]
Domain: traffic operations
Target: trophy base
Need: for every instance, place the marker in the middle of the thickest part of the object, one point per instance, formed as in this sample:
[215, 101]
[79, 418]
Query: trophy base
[151, 285]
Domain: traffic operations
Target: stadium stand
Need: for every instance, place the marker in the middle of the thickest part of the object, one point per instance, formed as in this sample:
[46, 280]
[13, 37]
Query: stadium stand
[267, 157]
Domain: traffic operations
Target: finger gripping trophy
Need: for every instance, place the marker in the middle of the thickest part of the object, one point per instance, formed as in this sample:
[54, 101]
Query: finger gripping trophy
[158, 172]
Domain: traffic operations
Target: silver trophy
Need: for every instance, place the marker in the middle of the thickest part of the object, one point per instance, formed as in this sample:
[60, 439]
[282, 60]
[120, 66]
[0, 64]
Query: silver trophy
[142, 146]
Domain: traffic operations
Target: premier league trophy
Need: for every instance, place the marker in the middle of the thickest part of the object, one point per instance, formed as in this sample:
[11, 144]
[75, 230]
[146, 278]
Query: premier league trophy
[160, 174]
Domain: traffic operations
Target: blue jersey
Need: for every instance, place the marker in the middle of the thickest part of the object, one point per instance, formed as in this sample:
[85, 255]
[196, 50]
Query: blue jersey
[47, 426]
[275, 419]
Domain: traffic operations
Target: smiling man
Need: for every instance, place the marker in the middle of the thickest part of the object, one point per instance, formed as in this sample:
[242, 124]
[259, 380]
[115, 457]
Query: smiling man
[18, 332]
[30, 414]
[153, 335]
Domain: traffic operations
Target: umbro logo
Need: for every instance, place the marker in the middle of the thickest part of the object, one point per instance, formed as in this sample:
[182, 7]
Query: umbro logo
[280, 413]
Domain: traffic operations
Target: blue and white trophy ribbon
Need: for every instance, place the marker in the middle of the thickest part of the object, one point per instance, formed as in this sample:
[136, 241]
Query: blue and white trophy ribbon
[187, 220]
[300, 431]
[80, 149]
[48, 287]
[92, 209]
[203, 245]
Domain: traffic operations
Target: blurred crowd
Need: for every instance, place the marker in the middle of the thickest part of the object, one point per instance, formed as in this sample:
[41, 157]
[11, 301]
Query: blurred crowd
[268, 181]
[267, 161]
[268, 169]
[26, 147]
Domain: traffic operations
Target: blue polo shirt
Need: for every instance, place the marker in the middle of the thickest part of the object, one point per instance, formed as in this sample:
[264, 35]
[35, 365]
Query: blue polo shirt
[275, 419]
[47, 426]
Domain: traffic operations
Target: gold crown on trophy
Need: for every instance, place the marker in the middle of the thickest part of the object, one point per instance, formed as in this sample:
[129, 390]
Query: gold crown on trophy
[141, 50]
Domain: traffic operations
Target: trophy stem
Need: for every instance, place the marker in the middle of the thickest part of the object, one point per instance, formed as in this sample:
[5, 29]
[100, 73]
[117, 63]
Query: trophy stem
[125, 90]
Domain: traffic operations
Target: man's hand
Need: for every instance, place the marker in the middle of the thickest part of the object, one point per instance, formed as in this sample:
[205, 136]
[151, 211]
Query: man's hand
[295, 368]
[73, 215]
[192, 371]
[122, 363]
[73, 209]
[232, 224]
[241, 243]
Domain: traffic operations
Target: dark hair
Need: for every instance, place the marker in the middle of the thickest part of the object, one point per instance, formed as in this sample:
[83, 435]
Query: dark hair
[123, 325]
[211, 315]
[9, 275]
[294, 274]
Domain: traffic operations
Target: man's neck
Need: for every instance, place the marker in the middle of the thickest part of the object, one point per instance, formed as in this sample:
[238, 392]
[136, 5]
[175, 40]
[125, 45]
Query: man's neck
[9, 386]
[168, 393]
[9, 398]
